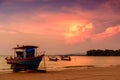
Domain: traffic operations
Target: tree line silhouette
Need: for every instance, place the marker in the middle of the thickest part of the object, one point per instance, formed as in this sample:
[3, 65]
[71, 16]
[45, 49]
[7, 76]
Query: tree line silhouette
[105, 52]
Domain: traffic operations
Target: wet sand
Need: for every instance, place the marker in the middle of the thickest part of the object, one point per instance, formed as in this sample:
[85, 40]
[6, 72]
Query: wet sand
[91, 73]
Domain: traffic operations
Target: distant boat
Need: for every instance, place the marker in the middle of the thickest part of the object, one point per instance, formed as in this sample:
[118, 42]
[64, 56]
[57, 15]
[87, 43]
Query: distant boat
[25, 57]
[53, 58]
[68, 58]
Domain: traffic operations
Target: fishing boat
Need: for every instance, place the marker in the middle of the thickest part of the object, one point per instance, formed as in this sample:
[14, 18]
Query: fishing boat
[67, 58]
[53, 58]
[25, 58]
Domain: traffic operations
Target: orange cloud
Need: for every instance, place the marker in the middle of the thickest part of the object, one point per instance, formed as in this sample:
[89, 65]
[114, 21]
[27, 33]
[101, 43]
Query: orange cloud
[45, 23]
[110, 31]
[49, 23]
[79, 33]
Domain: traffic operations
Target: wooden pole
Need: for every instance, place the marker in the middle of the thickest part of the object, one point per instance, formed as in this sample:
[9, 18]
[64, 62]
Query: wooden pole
[44, 61]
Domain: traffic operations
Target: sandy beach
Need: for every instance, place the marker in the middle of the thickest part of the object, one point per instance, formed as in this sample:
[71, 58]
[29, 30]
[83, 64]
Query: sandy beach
[91, 73]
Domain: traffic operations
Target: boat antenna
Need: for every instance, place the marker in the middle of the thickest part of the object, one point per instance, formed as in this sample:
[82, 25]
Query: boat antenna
[17, 45]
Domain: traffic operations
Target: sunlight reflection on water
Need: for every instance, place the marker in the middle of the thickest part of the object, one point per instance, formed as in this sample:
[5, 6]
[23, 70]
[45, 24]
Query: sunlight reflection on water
[76, 61]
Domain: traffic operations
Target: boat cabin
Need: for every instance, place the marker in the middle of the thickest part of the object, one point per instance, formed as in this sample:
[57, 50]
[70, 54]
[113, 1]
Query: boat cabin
[25, 51]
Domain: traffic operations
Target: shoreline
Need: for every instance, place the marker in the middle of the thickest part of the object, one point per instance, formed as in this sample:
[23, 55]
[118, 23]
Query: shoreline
[90, 73]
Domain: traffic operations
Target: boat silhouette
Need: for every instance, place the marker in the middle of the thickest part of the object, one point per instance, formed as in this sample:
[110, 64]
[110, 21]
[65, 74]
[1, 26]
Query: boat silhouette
[25, 58]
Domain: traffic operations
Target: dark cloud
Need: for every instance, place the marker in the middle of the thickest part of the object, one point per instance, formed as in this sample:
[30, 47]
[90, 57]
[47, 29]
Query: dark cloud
[26, 5]
[114, 5]
[98, 9]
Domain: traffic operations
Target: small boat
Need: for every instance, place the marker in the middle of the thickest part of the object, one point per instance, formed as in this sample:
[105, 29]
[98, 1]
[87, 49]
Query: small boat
[53, 58]
[25, 58]
[67, 58]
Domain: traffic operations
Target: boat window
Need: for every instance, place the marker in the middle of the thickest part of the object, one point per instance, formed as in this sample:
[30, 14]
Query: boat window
[19, 54]
[30, 52]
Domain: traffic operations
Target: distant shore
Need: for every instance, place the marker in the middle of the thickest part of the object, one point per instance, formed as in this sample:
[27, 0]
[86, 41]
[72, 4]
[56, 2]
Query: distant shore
[90, 73]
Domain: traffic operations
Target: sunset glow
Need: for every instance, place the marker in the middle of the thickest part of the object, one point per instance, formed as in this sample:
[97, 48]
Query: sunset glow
[109, 32]
[73, 31]
[72, 25]
[78, 33]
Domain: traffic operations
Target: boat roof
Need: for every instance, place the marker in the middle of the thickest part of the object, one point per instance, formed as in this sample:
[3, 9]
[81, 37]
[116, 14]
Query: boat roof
[24, 47]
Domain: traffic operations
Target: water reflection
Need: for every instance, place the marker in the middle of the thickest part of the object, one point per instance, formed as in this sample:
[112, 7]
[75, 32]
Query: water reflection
[80, 61]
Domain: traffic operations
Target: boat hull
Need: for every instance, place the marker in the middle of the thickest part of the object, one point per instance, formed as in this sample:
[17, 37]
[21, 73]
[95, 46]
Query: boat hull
[50, 59]
[67, 58]
[27, 63]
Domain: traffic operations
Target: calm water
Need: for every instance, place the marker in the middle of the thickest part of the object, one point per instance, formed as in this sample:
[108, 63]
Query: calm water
[77, 61]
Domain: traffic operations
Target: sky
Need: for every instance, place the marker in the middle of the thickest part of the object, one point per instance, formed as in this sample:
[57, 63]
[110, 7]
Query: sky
[60, 26]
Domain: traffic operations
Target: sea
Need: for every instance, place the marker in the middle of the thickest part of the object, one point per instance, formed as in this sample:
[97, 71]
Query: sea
[77, 62]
